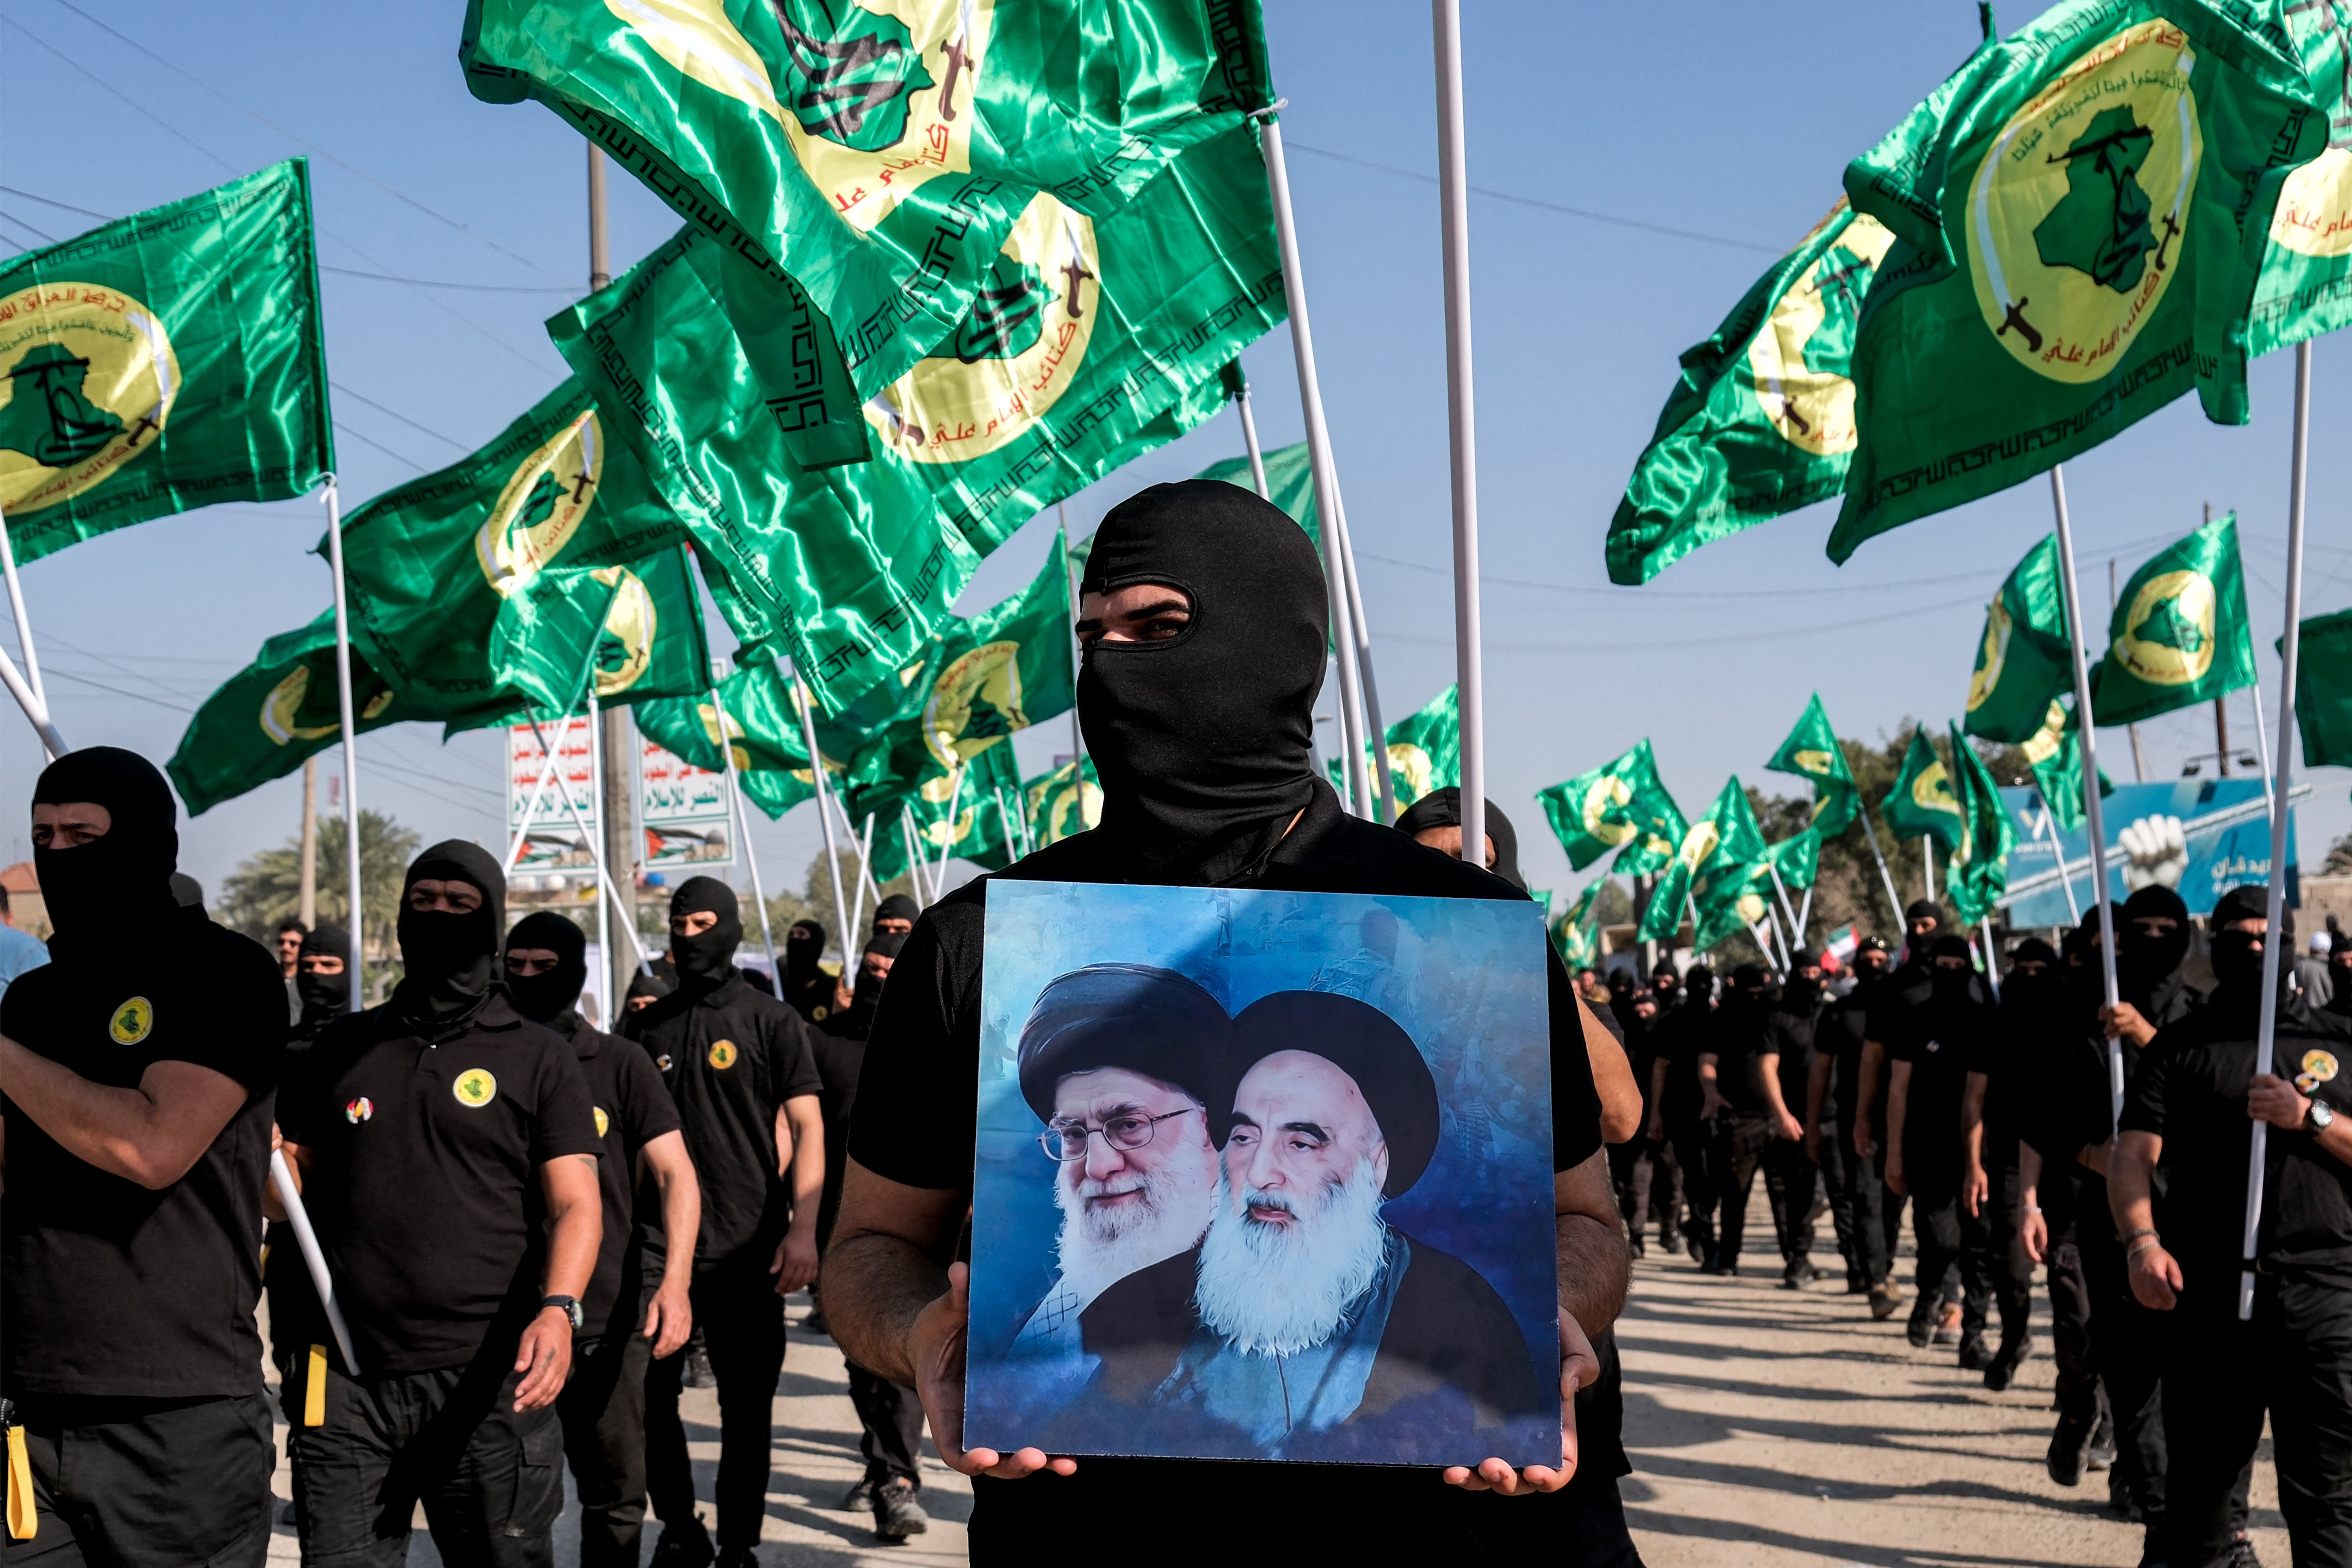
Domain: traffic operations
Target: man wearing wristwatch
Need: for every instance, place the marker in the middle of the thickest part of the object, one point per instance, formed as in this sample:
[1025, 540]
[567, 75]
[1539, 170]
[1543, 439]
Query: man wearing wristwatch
[447, 1149]
[2190, 1114]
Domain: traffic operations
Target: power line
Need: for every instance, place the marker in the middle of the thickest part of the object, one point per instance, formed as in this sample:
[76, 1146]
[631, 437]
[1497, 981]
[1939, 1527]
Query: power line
[395, 414]
[61, 207]
[371, 441]
[443, 283]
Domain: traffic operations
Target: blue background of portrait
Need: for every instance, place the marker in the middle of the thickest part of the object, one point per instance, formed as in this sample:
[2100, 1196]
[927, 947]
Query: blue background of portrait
[1466, 982]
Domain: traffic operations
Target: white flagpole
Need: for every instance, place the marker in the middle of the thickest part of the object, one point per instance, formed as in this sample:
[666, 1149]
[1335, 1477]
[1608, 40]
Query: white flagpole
[35, 710]
[598, 849]
[743, 826]
[24, 625]
[865, 882]
[950, 838]
[1383, 775]
[1992, 957]
[1070, 570]
[1454, 201]
[1781, 888]
[2274, 945]
[334, 498]
[916, 865]
[1318, 453]
[802, 699]
[595, 849]
[530, 814]
[1249, 443]
[2094, 815]
[297, 1218]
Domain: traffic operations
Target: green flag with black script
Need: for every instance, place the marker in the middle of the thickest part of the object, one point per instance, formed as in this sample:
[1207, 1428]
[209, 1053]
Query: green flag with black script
[164, 360]
[1008, 668]
[959, 811]
[1067, 800]
[2024, 660]
[1574, 933]
[644, 619]
[2306, 280]
[758, 707]
[1424, 750]
[1622, 805]
[1762, 421]
[1109, 345]
[1811, 751]
[2179, 637]
[2078, 214]
[1979, 872]
[1712, 848]
[882, 153]
[2055, 754]
[1922, 804]
[1289, 483]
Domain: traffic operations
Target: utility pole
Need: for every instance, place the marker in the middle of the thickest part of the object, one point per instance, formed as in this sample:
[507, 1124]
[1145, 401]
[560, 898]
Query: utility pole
[619, 737]
[308, 912]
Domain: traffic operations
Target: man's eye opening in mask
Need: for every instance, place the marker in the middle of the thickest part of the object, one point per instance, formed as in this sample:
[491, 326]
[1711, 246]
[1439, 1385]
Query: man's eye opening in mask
[321, 963]
[69, 826]
[692, 923]
[451, 897]
[530, 961]
[1140, 612]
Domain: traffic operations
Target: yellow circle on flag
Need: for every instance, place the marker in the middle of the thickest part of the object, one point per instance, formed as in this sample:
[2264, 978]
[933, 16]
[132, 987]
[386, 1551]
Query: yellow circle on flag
[542, 505]
[2168, 632]
[1992, 656]
[1607, 793]
[281, 710]
[132, 1022]
[2077, 215]
[722, 1054]
[1813, 409]
[975, 702]
[602, 1120]
[86, 382]
[632, 622]
[2314, 216]
[474, 1086]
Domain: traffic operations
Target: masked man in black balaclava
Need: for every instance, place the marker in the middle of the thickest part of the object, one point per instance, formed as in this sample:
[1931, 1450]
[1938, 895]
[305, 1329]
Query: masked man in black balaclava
[1934, 1043]
[808, 990]
[447, 1148]
[2189, 1112]
[1791, 1176]
[1676, 1103]
[2028, 1020]
[138, 1067]
[1832, 1104]
[893, 916]
[1734, 1106]
[322, 982]
[737, 1062]
[1203, 617]
[635, 1305]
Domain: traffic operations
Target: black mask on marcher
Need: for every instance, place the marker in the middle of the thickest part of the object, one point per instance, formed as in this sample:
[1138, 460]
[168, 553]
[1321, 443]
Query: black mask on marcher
[2143, 963]
[546, 997]
[2238, 955]
[118, 886]
[1203, 741]
[897, 907]
[867, 993]
[451, 960]
[707, 959]
[804, 945]
[1953, 984]
[324, 996]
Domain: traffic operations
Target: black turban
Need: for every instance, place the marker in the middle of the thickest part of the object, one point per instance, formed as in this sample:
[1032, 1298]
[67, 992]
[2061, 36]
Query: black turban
[1151, 1021]
[1367, 1045]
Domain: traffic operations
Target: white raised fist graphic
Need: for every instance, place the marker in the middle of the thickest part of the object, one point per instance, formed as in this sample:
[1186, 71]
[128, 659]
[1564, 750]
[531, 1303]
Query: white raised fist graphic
[2156, 851]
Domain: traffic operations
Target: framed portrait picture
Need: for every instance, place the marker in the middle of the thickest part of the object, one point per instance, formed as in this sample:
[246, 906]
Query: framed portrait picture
[1264, 1175]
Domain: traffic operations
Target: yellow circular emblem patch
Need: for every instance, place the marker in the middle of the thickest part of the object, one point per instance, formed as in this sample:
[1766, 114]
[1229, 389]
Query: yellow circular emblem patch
[2314, 216]
[602, 1122]
[541, 506]
[132, 1022]
[2320, 1065]
[1814, 319]
[663, 1061]
[1411, 771]
[2077, 216]
[86, 382]
[722, 1054]
[288, 714]
[626, 646]
[2168, 637]
[474, 1086]
[1607, 793]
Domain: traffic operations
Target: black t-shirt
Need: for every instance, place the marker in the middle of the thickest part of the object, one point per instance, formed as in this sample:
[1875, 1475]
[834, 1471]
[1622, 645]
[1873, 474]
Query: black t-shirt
[424, 1181]
[838, 1046]
[1941, 1037]
[110, 1289]
[2069, 1105]
[1736, 1036]
[916, 1111]
[730, 1058]
[1790, 1031]
[2190, 1092]
[1679, 1037]
[631, 1109]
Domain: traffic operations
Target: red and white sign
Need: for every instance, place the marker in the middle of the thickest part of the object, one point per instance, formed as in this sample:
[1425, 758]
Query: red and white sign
[555, 841]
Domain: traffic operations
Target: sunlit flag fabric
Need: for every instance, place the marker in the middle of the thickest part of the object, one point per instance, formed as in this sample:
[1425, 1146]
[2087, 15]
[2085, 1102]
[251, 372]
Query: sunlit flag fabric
[1620, 806]
[1065, 801]
[644, 618]
[958, 811]
[162, 361]
[1922, 804]
[1424, 750]
[883, 155]
[1573, 933]
[1104, 343]
[2078, 214]
[2306, 280]
[1761, 422]
[1979, 873]
[762, 720]
[2179, 637]
[2024, 660]
[2323, 690]
[1798, 859]
[1811, 751]
[1011, 666]
[1727, 837]
[1730, 881]
[2055, 754]
[1289, 483]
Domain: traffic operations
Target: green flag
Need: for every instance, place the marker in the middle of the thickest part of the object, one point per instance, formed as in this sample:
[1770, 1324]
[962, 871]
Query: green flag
[1424, 750]
[2179, 637]
[1979, 872]
[644, 620]
[1289, 483]
[1620, 806]
[1761, 422]
[1573, 933]
[852, 569]
[1922, 804]
[165, 361]
[1798, 859]
[2055, 754]
[1726, 837]
[2306, 280]
[282, 709]
[2024, 660]
[1004, 670]
[2077, 214]
[2323, 690]
[759, 705]
[1066, 801]
[1811, 751]
[885, 152]
[959, 810]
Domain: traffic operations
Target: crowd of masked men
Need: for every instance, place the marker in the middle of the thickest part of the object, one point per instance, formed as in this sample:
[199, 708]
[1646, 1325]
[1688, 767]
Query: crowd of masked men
[1989, 1113]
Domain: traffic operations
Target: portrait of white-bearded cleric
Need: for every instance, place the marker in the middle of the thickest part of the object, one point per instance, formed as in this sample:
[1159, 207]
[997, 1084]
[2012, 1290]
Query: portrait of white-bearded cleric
[1262, 1176]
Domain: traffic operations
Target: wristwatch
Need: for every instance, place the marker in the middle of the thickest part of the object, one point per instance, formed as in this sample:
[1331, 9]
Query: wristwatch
[2319, 1118]
[569, 1306]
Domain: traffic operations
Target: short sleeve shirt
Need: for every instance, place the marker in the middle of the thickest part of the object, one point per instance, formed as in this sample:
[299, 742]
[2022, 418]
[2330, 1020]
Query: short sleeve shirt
[1736, 1036]
[425, 1183]
[110, 1289]
[730, 1058]
[631, 1109]
[1941, 1037]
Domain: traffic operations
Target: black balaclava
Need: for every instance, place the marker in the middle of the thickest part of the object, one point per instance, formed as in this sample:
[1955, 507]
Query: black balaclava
[2021, 988]
[2339, 996]
[452, 960]
[324, 996]
[118, 885]
[1622, 985]
[1663, 984]
[1203, 741]
[804, 945]
[2238, 955]
[1698, 986]
[897, 907]
[1442, 808]
[867, 992]
[2143, 963]
[1953, 984]
[1746, 992]
[186, 891]
[1797, 990]
[644, 984]
[707, 960]
[545, 997]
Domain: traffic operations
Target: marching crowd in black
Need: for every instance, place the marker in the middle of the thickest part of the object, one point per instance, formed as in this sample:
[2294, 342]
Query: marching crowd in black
[1991, 1117]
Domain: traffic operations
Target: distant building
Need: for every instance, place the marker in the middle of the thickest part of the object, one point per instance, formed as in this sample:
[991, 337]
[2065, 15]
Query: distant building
[26, 907]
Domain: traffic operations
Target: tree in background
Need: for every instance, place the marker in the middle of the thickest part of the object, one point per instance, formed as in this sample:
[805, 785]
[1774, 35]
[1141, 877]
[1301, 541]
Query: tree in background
[268, 887]
[814, 901]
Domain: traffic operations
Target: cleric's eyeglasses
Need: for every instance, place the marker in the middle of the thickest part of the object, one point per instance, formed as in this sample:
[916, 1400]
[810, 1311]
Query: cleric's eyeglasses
[1067, 1141]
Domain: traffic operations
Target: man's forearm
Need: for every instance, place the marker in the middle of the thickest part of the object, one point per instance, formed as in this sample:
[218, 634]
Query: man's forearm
[681, 1205]
[151, 1134]
[2130, 1195]
[874, 1287]
[1768, 1079]
[1817, 1090]
[575, 1229]
[1865, 1096]
[808, 1164]
[1588, 1241]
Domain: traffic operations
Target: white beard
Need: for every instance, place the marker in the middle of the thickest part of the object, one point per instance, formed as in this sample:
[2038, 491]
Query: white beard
[1099, 1247]
[1279, 1290]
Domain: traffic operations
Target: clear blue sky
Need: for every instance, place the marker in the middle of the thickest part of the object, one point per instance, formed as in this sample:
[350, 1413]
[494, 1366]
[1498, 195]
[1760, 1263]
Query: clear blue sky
[1729, 123]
